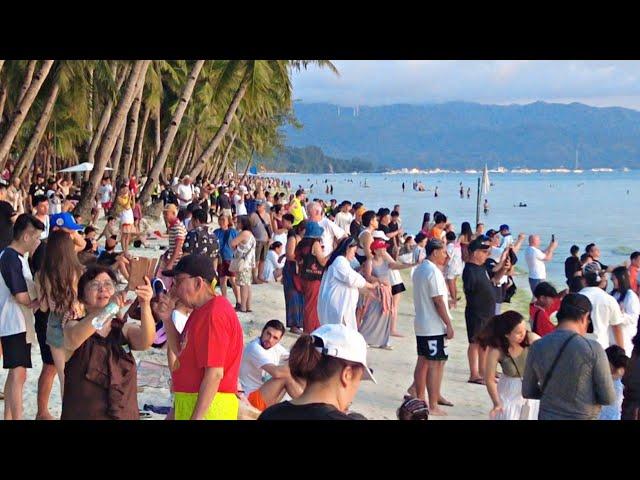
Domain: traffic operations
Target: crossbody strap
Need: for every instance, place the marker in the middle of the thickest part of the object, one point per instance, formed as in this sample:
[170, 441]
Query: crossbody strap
[555, 362]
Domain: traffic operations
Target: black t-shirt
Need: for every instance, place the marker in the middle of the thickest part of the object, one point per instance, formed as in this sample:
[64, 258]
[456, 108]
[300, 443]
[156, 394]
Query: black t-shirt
[479, 291]
[355, 229]
[571, 266]
[11, 270]
[311, 411]
[224, 202]
[6, 225]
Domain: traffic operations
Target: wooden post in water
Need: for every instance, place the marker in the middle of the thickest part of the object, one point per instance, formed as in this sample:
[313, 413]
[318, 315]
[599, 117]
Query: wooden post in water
[478, 204]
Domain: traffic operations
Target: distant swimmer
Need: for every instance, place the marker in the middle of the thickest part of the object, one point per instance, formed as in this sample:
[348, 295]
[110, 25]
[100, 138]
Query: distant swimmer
[627, 192]
[486, 206]
[461, 190]
[468, 192]
[403, 188]
[435, 192]
[521, 204]
[331, 190]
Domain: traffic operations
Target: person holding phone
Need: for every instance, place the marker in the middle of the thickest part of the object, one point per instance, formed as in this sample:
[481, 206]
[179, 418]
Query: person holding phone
[536, 259]
[100, 373]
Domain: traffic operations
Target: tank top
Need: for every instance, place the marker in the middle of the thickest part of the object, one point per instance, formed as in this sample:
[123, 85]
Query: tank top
[381, 271]
[514, 367]
[101, 380]
[309, 267]
[360, 250]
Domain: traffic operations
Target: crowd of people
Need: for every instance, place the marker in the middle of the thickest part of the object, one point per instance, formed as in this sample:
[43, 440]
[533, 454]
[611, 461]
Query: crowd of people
[90, 306]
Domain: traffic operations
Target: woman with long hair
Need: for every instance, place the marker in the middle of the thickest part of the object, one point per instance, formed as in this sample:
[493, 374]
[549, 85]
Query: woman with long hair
[331, 361]
[57, 281]
[508, 341]
[426, 223]
[629, 304]
[245, 256]
[293, 297]
[631, 382]
[340, 286]
[465, 237]
[124, 210]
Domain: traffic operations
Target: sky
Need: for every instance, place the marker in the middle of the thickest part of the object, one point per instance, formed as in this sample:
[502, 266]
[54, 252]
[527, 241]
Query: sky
[599, 83]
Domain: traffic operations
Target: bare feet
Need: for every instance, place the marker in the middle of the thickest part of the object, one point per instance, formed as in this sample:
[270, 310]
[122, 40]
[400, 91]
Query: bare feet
[437, 412]
[444, 401]
[45, 416]
[397, 334]
[412, 391]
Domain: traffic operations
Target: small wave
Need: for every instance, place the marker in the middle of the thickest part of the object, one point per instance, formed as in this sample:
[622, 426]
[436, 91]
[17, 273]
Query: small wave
[622, 250]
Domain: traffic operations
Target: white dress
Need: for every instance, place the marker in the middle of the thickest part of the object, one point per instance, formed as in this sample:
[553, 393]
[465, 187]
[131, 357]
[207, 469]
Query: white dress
[338, 297]
[630, 312]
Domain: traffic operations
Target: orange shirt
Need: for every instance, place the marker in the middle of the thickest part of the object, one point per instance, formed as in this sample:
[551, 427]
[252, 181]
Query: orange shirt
[633, 278]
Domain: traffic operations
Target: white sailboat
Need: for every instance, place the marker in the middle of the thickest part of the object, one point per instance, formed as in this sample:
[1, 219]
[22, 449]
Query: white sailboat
[575, 167]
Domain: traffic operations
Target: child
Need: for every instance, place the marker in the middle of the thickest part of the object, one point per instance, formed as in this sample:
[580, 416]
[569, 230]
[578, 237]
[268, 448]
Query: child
[110, 229]
[454, 267]
[547, 301]
[618, 361]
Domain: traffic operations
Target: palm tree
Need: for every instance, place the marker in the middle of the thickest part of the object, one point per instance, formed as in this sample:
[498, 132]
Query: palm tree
[110, 137]
[23, 109]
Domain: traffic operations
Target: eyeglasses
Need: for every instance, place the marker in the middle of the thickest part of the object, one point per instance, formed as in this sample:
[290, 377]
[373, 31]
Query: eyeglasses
[97, 286]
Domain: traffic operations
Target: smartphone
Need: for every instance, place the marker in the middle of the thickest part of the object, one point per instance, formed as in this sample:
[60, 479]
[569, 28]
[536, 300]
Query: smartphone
[553, 237]
[158, 287]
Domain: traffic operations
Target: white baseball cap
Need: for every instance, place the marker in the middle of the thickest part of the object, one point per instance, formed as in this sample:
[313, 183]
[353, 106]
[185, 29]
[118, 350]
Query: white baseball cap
[380, 234]
[340, 341]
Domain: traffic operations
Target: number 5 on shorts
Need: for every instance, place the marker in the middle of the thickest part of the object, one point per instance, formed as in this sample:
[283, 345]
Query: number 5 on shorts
[433, 347]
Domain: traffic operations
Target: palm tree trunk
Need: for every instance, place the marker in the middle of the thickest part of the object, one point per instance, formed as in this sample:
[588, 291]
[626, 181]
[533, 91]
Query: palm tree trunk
[105, 117]
[137, 75]
[227, 150]
[116, 155]
[170, 135]
[3, 100]
[90, 118]
[23, 110]
[247, 167]
[36, 137]
[158, 131]
[132, 130]
[28, 77]
[1, 64]
[140, 137]
[226, 123]
[184, 154]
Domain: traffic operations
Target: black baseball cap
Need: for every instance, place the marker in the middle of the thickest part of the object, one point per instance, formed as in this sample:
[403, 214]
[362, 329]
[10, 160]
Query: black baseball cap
[194, 265]
[477, 244]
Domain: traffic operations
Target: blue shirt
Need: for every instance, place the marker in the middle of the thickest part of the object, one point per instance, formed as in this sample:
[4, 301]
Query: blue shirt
[224, 239]
[612, 412]
[250, 204]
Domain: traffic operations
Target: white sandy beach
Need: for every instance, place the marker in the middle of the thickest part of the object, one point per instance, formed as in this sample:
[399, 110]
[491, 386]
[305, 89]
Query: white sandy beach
[393, 369]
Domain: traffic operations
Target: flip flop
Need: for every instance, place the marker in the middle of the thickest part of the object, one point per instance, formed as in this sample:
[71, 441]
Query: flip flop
[477, 381]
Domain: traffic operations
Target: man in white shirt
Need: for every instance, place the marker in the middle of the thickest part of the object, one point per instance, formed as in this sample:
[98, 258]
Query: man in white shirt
[606, 316]
[535, 260]
[432, 325]
[344, 216]
[263, 375]
[104, 194]
[184, 192]
[507, 238]
[238, 201]
[332, 233]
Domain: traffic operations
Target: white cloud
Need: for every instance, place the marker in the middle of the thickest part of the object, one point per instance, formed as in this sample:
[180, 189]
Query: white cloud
[367, 82]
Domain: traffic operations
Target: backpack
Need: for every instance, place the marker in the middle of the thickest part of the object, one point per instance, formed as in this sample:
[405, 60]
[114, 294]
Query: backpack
[202, 241]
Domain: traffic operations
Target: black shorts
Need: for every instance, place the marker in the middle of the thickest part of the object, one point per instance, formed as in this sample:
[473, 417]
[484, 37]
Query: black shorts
[41, 333]
[433, 347]
[399, 288]
[16, 352]
[474, 325]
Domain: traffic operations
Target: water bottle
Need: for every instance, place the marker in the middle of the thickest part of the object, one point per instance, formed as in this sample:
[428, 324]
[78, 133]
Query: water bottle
[107, 314]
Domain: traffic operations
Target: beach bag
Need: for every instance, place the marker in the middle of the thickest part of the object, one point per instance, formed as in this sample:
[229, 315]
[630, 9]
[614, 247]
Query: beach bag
[509, 289]
[239, 262]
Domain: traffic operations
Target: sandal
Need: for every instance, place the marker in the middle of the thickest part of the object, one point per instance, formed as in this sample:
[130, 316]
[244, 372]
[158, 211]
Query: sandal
[477, 381]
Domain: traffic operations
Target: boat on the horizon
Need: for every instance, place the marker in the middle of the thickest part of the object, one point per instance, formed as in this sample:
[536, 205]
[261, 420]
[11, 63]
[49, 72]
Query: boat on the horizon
[471, 171]
[524, 170]
[602, 169]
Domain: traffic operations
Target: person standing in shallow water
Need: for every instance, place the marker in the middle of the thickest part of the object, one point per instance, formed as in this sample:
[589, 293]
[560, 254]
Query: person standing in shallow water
[486, 206]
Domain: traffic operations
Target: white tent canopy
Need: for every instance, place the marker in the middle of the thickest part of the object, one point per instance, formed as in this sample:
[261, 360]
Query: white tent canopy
[83, 167]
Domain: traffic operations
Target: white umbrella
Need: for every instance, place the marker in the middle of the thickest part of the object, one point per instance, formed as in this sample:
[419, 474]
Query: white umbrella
[485, 187]
[83, 167]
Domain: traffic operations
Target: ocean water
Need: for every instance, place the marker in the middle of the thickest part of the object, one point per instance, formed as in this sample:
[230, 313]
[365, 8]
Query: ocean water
[579, 208]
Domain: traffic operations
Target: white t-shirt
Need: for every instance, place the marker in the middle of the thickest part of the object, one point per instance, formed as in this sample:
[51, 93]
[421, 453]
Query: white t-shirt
[105, 193]
[14, 317]
[184, 191]
[507, 241]
[338, 298]
[630, 314]
[270, 266]
[428, 282]
[179, 319]
[534, 257]
[255, 356]
[605, 312]
[238, 201]
[331, 232]
[343, 220]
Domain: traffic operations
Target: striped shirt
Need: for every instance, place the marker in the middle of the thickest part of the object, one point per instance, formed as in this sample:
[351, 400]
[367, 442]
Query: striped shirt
[177, 231]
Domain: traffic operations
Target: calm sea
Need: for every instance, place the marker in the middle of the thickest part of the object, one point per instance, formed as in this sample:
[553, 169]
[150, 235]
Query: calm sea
[579, 208]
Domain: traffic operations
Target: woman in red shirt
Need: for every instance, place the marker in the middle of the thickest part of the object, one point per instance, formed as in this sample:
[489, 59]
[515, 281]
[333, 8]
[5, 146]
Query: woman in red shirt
[547, 302]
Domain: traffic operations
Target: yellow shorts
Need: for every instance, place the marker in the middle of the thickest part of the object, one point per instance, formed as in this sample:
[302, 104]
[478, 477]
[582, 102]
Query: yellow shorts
[224, 406]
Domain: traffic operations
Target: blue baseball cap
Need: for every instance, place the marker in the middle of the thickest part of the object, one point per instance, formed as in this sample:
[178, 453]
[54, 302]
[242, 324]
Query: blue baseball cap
[504, 226]
[64, 220]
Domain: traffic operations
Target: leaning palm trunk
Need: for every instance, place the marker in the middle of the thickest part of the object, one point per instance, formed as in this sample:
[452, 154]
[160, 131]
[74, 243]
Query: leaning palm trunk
[184, 155]
[110, 138]
[1, 64]
[116, 155]
[28, 77]
[3, 100]
[36, 137]
[247, 167]
[132, 130]
[226, 123]
[170, 135]
[140, 138]
[23, 109]
[105, 118]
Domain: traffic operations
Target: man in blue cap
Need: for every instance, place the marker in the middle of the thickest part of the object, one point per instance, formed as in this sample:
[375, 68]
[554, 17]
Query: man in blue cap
[507, 238]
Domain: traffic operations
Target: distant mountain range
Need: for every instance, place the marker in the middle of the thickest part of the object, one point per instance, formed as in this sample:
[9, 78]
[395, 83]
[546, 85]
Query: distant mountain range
[467, 135]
